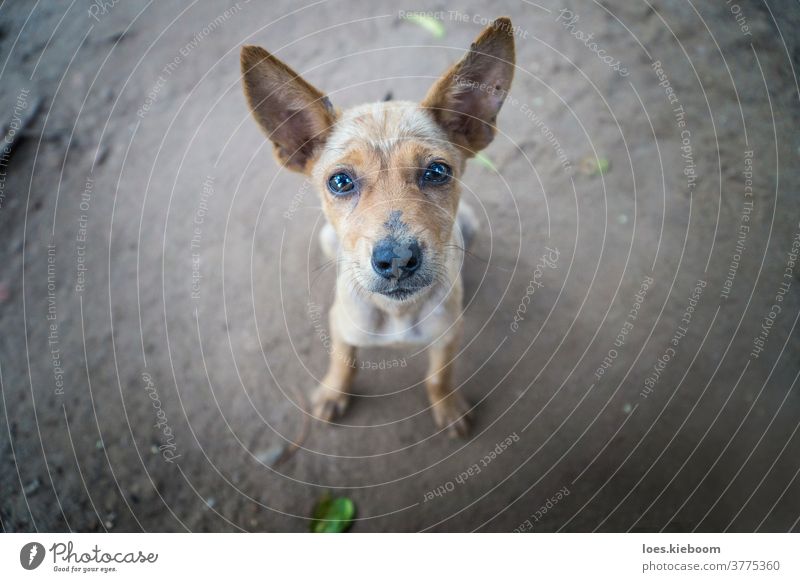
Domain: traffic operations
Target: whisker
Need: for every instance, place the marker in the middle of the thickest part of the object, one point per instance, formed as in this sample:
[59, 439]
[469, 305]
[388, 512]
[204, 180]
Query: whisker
[478, 257]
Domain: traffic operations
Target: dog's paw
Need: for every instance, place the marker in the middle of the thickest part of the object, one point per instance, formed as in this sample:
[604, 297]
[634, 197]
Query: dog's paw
[327, 404]
[452, 413]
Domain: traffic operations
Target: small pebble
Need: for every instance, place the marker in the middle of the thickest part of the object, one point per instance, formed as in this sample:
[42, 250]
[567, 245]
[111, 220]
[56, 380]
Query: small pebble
[109, 522]
[270, 456]
[32, 487]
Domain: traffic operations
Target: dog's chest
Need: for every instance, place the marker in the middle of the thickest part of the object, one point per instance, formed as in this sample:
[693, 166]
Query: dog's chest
[407, 329]
[364, 325]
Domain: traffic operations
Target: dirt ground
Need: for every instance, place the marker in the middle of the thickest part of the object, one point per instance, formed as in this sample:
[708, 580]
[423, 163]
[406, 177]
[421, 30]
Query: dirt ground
[631, 335]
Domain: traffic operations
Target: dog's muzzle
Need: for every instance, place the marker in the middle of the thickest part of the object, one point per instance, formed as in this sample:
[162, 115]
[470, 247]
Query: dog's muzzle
[394, 260]
[398, 266]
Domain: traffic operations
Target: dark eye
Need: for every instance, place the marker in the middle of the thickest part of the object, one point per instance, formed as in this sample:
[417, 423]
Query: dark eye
[340, 184]
[437, 173]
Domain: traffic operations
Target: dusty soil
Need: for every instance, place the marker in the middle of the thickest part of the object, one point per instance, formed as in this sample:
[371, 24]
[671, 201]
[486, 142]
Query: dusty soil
[161, 276]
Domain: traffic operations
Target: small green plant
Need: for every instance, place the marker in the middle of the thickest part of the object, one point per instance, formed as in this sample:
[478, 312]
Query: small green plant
[429, 23]
[333, 515]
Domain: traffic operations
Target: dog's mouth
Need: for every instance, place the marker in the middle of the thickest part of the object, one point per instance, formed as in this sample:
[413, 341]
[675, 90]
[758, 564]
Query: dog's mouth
[399, 294]
[397, 290]
[402, 290]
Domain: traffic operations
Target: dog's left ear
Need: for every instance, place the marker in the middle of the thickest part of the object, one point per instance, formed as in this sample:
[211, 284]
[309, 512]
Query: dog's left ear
[296, 116]
[465, 101]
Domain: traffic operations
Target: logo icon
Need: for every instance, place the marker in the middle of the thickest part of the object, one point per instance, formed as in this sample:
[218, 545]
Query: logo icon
[31, 555]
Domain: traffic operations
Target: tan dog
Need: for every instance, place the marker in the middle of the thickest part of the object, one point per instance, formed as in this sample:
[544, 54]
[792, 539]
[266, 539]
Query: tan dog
[389, 177]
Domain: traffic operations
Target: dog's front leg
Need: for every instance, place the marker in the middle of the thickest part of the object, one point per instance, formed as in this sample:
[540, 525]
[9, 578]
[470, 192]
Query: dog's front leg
[332, 396]
[450, 410]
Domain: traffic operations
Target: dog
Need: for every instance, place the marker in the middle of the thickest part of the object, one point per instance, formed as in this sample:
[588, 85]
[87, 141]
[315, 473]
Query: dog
[389, 178]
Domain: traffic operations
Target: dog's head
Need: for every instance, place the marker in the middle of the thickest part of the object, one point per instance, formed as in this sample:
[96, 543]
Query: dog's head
[388, 173]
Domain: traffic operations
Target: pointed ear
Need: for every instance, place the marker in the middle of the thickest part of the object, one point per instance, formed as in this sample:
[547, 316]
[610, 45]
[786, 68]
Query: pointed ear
[466, 99]
[295, 116]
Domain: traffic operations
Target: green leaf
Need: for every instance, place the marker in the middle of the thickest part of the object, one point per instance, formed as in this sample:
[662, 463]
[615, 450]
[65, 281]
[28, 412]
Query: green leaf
[603, 166]
[592, 166]
[484, 161]
[429, 23]
[333, 515]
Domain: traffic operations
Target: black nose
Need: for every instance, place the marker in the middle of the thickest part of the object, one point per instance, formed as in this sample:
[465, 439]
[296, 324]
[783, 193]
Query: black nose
[393, 260]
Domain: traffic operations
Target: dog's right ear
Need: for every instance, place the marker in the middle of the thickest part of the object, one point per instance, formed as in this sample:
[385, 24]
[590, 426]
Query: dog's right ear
[295, 116]
[466, 99]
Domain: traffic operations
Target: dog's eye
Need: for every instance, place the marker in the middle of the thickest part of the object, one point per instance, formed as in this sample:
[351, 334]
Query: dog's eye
[437, 173]
[340, 184]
